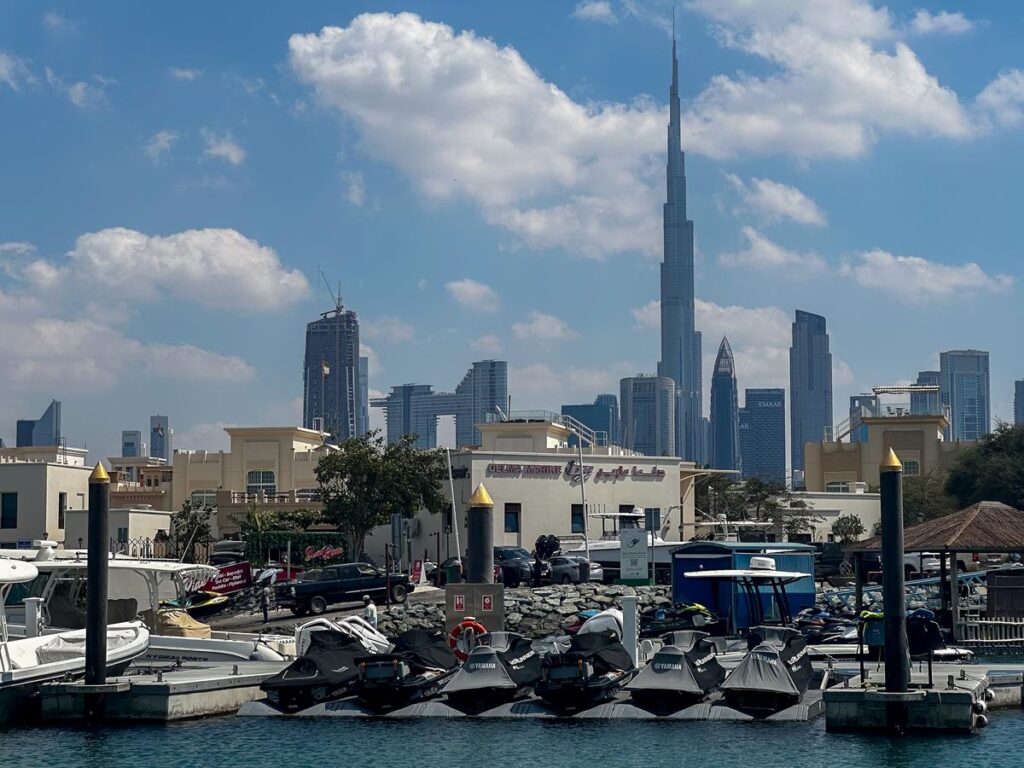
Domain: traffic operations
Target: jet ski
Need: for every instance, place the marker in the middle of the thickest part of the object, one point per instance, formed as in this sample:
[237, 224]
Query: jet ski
[774, 674]
[682, 673]
[660, 620]
[501, 668]
[326, 671]
[416, 669]
[589, 673]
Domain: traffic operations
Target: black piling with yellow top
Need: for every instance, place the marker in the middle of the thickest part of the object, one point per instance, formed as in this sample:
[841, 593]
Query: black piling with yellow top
[480, 547]
[897, 654]
[96, 599]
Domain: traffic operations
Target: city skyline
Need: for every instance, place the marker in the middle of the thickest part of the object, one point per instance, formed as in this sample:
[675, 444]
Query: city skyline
[180, 141]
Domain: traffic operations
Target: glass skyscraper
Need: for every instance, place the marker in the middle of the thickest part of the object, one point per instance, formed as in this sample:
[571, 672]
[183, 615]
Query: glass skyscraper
[602, 415]
[413, 409]
[763, 435]
[648, 408]
[680, 342]
[925, 403]
[963, 376]
[131, 443]
[161, 438]
[810, 386]
[363, 425]
[1018, 401]
[330, 374]
[725, 448]
[42, 431]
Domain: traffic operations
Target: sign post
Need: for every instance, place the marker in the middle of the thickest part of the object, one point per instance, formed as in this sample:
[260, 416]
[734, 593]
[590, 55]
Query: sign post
[633, 556]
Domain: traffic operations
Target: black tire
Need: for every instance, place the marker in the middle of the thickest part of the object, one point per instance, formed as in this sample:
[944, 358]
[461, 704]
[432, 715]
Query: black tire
[317, 605]
[299, 610]
[399, 594]
[513, 581]
[566, 579]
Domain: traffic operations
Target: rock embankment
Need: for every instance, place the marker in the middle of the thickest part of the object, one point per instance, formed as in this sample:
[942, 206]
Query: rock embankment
[531, 612]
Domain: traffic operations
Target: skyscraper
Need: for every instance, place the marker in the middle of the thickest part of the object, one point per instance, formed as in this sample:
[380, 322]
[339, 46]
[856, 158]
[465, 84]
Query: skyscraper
[680, 342]
[725, 416]
[161, 438]
[415, 408]
[330, 374]
[861, 406]
[131, 443]
[1018, 401]
[763, 435]
[648, 408]
[963, 376]
[363, 425]
[925, 403]
[602, 415]
[810, 386]
[42, 431]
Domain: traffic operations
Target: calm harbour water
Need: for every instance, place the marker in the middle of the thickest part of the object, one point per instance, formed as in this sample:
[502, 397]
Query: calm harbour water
[254, 743]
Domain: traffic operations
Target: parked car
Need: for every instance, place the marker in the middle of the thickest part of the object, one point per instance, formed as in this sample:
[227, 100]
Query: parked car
[342, 583]
[566, 569]
[517, 566]
[828, 560]
[439, 576]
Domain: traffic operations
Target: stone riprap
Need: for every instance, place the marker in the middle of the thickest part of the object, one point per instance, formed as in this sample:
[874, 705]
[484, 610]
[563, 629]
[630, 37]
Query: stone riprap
[531, 612]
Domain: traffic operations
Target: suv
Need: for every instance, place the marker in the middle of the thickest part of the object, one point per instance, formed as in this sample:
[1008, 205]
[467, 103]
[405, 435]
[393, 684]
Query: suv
[517, 566]
[339, 584]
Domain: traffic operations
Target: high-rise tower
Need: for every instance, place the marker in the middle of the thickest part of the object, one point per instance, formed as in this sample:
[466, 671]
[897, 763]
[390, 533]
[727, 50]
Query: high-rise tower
[963, 377]
[810, 387]
[725, 411]
[680, 342]
[330, 374]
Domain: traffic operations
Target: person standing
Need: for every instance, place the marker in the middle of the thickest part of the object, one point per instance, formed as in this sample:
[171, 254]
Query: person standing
[265, 602]
[369, 611]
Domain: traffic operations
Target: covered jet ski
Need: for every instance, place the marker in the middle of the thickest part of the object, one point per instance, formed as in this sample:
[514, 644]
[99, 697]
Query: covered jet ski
[502, 668]
[774, 674]
[683, 672]
[327, 670]
[589, 673]
[416, 669]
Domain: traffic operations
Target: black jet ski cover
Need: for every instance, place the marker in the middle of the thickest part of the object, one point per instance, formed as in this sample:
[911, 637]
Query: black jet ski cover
[421, 649]
[516, 653]
[778, 663]
[330, 660]
[688, 666]
[602, 649]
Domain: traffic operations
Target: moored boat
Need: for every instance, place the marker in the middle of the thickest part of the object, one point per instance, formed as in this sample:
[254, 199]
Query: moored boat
[682, 672]
[774, 674]
[416, 669]
[595, 666]
[502, 668]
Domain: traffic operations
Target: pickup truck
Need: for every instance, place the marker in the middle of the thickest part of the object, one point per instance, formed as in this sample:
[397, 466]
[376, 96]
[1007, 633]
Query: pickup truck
[340, 584]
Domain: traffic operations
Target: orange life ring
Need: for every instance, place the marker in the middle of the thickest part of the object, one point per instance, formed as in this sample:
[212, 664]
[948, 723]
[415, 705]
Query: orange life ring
[457, 631]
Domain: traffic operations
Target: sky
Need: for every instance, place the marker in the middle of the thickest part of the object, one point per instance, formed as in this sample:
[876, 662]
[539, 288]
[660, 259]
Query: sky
[485, 180]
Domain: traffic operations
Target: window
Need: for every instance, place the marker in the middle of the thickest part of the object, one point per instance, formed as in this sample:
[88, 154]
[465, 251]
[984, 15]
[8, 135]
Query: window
[62, 507]
[652, 518]
[577, 523]
[8, 510]
[512, 515]
[837, 487]
[261, 481]
[122, 535]
[911, 468]
[204, 499]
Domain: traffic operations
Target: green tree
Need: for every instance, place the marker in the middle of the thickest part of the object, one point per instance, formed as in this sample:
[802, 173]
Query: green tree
[366, 481]
[991, 470]
[191, 527]
[925, 498]
[848, 528]
[769, 502]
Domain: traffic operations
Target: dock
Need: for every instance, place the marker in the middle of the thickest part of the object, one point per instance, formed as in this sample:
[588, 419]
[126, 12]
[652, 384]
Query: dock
[163, 693]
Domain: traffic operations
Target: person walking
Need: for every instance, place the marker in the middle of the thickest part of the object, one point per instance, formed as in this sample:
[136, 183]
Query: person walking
[265, 602]
[369, 611]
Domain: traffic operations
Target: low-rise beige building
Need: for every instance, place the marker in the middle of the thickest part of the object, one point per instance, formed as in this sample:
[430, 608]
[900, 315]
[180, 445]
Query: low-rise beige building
[273, 467]
[35, 497]
[916, 439]
[133, 530]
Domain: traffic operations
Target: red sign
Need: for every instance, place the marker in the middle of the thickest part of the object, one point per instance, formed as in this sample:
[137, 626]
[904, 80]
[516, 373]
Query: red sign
[487, 603]
[326, 552]
[230, 578]
[460, 603]
[417, 571]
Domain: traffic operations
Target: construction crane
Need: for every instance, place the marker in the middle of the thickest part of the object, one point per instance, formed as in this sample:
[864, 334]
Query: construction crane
[335, 297]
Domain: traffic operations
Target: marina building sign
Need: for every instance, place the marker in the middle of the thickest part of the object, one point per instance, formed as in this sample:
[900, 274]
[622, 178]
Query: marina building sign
[572, 471]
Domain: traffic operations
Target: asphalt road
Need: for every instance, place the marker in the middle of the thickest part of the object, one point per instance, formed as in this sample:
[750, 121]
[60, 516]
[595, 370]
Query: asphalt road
[283, 621]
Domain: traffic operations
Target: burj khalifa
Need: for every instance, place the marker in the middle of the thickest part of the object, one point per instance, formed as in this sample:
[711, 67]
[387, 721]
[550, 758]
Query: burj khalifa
[680, 342]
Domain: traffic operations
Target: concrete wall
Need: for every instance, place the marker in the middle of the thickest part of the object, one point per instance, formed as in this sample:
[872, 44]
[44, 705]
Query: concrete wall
[39, 486]
[140, 524]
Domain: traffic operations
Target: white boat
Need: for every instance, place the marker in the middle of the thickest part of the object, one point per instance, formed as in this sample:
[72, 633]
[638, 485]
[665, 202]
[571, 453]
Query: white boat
[28, 662]
[138, 589]
[355, 627]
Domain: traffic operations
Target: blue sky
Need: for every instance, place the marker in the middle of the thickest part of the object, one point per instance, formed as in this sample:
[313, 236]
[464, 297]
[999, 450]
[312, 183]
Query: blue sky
[485, 180]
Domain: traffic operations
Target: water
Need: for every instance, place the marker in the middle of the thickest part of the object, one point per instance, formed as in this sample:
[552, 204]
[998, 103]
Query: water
[274, 743]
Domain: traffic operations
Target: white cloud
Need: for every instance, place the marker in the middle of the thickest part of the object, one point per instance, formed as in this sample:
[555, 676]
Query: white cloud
[462, 117]
[373, 358]
[17, 248]
[595, 10]
[389, 329]
[223, 147]
[184, 73]
[542, 327]
[204, 437]
[215, 267]
[191, 363]
[762, 253]
[538, 385]
[160, 143]
[60, 25]
[83, 94]
[355, 187]
[941, 23]
[918, 280]
[488, 344]
[774, 200]
[1002, 100]
[473, 295]
[648, 316]
[14, 72]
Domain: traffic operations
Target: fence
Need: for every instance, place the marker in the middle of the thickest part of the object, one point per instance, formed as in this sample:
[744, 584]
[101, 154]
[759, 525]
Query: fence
[162, 549]
[997, 635]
